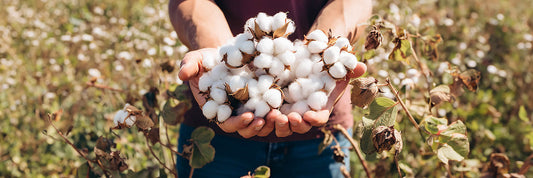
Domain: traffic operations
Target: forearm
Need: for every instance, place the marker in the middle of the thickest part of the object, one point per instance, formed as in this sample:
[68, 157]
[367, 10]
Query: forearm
[199, 23]
[343, 17]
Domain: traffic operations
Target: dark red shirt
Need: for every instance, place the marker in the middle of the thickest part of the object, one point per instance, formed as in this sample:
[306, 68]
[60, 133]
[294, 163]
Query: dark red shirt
[303, 13]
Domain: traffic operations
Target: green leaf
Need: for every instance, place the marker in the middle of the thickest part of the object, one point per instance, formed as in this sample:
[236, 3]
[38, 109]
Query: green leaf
[84, 171]
[431, 124]
[201, 155]
[262, 172]
[178, 92]
[174, 110]
[446, 153]
[459, 143]
[383, 112]
[202, 135]
[455, 127]
[522, 114]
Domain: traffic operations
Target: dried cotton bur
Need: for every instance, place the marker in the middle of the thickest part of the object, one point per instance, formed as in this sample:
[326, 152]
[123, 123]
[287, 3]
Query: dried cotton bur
[261, 69]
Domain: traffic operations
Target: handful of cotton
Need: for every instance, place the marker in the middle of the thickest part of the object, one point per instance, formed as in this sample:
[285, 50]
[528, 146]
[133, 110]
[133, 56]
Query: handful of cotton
[260, 69]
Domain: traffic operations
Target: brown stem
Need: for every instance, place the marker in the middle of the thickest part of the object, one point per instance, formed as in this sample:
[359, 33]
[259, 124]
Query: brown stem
[527, 164]
[422, 68]
[170, 146]
[398, 166]
[448, 169]
[356, 148]
[159, 160]
[95, 85]
[74, 147]
[395, 92]
[345, 172]
[192, 171]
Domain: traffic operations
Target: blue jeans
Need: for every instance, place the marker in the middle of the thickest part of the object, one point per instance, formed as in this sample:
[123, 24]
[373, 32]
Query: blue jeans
[236, 157]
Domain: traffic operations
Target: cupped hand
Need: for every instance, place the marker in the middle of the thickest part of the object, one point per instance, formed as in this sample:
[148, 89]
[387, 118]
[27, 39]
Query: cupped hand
[191, 70]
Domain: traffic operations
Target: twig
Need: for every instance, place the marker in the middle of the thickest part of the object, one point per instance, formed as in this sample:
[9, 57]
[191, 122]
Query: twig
[447, 166]
[398, 166]
[345, 172]
[95, 85]
[395, 92]
[171, 151]
[527, 164]
[192, 171]
[74, 147]
[159, 160]
[355, 146]
[422, 68]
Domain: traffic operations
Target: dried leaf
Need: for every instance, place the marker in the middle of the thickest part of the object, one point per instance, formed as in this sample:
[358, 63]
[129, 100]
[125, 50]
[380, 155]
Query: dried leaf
[374, 39]
[150, 103]
[258, 33]
[168, 66]
[383, 138]
[431, 48]
[281, 31]
[328, 139]
[364, 91]
[470, 79]
[440, 94]
[143, 122]
[117, 162]
[104, 144]
[338, 154]
[497, 166]
[153, 135]
[173, 111]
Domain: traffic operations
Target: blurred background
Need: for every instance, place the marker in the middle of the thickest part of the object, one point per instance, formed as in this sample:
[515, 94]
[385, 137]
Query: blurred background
[51, 51]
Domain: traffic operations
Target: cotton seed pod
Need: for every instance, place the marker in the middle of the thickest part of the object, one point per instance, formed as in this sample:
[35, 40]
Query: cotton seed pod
[264, 82]
[374, 38]
[331, 55]
[205, 82]
[251, 103]
[295, 91]
[219, 72]
[281, 45]
[247, 46]
[262, 61]
[303, 68]
[273, 97]
[300, 107]
[242, 37]
[223, 113]
[288, 58]
[317, 68]
[338, 71]
[249, 26]
[279, 20]
[234, 58]
[349, 60]
[253, 91]
[218, 95]
[301, 51]
[261, 108]
[266, 45]
[343, 43]
[210, 109]
[383, 138]
[208, 60]
[316, 46]
[364, 91]
[236, 82]
[264, 22]
[317, 100]
[276, 68]
[317, 35]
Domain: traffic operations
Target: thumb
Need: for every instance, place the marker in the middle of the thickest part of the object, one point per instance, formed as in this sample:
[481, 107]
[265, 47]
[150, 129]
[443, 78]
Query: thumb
[358, 71]
[190, 65]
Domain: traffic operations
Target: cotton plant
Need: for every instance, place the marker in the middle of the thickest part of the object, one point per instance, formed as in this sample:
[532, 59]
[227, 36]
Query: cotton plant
[261, 69]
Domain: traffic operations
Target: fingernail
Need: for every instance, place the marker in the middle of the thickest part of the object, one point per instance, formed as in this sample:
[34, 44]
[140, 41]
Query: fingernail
[258, 128]
[281, 124]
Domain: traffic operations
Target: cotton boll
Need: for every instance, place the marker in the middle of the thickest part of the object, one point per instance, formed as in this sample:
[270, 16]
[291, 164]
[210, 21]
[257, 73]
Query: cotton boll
[264, 21]
[303, 69]
[285, 108]
[247, 47]
[315, 58]
[349, 60]
[308, 86]
[343, 43]
[208, 60]
[261, 109]
[249, 25]
[287, 57]
[223, 113]
[276, 68]
[119, 117]
[234, 58]
[295, 91]
[241, 37]
[278, 20]
[338, 70]
[301, 51]
[263, 61]
[129, 121]
[251, 103]
[264, 82]
[281, 45]
[273, 98]
[317, 68]
[300, 107]
[329, 83]
[316, 46]
[220, 84]
[317, 100]
[266, 45]
[259, 72]
[210, 109]
[317, 35]
[205, 82]
[253, 91]
[290, 28]
[236, 82]
[219, 72]
[223, 50]
[218, 95]
[284, 78]
[331, 55]
[316, 82]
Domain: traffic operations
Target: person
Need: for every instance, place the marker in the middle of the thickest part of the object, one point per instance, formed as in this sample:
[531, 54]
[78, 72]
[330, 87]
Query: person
[288, 144]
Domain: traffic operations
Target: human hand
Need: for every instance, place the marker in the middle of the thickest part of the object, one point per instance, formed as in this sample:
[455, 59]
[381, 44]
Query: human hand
[191, 70]
[293, 122]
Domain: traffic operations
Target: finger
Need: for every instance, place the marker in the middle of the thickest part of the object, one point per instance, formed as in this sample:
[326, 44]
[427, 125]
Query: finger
[190, 65]
[282, 126]
[358, 71]
[267, 128]
[316, 118]
[237, 122]
[252, 129]
[297, 124]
